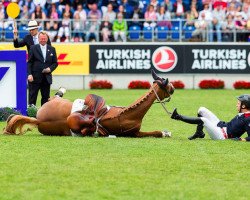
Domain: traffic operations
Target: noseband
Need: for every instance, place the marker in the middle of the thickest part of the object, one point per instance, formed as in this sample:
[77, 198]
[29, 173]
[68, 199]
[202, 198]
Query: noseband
[162, 101]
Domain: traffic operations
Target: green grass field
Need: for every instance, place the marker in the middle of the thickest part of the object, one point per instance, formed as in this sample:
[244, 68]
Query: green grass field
[36, 167]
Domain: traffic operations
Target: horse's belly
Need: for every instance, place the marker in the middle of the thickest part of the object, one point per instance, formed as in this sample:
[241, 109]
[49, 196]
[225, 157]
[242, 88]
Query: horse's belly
[56, 109]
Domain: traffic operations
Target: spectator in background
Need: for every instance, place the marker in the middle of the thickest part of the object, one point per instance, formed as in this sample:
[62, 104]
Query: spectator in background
[104, 5]
[120, 28]
[128, 8]
[38, 14]
[168, 5]
[114, 4]
[67, 10]
[94, 11]
[191, 16]
[29, 3]
[221, 3]
[136, 18]
[82, 14]
[62, 5]
[65, 28]
[219, 16]
[92, 29]
[227, 29]
[201, 26]
[79, 2]
[122, 11]
[2, 14]
[245, 2]
[208, 17]
[240, 25]
[24, 16]
[179, 9]
[248, 29]
[198, 4]
[78, 28]
[110, 13]
[106, 30]
[155, 4]
[245, 13]
[53, 14]
[52, 30]
[236, 4]
[231, 9]
[90, 3]
[150, 17]
[163, 17]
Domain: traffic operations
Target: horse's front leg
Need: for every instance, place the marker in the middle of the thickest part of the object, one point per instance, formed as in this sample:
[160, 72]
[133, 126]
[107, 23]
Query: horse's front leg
[157, 134]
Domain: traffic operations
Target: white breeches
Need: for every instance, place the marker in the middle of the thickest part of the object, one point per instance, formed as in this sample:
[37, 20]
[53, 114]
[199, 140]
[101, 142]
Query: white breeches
[210, 121]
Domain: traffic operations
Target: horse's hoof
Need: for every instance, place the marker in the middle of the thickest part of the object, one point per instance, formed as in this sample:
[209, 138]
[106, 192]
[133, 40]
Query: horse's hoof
[62, 89]
[60, 92]
[166, 133]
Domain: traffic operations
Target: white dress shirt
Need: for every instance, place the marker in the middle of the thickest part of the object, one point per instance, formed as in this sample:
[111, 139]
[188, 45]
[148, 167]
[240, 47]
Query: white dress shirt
[44, 48]
[35, 39]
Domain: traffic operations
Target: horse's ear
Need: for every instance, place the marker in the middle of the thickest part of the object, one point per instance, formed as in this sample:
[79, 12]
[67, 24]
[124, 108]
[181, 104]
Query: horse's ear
[155, 76]
[165, 82]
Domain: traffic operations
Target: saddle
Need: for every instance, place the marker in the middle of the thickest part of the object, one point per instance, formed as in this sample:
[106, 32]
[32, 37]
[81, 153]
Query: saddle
[96, 105]
[86, 121]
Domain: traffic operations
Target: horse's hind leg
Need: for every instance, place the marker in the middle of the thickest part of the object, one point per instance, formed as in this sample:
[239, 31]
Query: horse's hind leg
[157, 134]
[54, 128]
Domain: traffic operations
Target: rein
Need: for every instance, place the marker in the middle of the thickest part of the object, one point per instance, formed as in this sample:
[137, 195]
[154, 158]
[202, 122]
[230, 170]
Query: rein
[162, 102]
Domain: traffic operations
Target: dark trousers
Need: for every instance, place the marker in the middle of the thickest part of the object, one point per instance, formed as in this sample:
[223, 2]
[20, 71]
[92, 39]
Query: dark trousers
[34, 88]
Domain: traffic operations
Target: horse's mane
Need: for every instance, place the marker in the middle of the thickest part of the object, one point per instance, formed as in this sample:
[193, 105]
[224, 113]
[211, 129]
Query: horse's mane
[137, 103]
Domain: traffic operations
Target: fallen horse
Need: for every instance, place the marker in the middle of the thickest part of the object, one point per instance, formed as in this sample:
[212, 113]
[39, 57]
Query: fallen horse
[55, 117]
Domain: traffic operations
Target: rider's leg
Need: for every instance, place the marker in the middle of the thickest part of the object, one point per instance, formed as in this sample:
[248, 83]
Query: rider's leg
[205, 119]
[191, 120]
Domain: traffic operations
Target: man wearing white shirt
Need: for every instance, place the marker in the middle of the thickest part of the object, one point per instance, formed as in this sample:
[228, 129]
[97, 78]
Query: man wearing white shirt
[42, 62]
[208, 17]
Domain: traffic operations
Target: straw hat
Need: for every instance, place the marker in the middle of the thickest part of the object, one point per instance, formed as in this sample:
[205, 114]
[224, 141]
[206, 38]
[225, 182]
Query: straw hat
[32, 25]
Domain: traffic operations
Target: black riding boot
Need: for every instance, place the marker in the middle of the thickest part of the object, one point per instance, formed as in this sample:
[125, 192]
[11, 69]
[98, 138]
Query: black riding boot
[191, 120]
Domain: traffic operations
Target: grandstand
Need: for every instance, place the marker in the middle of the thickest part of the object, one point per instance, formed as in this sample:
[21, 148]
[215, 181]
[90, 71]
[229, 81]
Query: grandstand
[138, 21]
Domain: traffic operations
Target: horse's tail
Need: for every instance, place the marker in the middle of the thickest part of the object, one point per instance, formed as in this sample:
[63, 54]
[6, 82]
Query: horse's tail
[16, 123]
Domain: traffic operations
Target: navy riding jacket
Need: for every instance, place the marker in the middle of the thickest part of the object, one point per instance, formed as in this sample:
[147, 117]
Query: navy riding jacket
[237, 126]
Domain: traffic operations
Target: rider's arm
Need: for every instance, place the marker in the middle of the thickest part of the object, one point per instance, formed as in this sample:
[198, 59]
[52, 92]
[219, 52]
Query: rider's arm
[19, 43]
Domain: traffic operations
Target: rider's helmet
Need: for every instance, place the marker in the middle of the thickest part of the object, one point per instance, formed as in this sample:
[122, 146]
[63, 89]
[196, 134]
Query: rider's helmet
[245, 100]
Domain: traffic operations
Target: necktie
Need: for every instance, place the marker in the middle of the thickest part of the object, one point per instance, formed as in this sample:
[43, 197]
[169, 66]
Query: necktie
[44, 52]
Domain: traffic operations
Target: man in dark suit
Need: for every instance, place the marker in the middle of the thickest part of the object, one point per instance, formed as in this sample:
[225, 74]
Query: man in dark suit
[30, 39]
[42, 62]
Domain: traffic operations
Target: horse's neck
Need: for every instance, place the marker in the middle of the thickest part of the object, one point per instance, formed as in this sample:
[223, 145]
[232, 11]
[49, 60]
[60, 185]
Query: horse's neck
[142, 105]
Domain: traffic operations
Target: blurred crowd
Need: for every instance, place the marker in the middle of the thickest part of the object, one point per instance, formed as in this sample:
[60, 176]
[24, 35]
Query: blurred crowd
[110, 20]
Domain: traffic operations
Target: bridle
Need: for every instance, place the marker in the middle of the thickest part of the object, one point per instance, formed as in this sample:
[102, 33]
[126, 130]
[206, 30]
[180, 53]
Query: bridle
[162, 101]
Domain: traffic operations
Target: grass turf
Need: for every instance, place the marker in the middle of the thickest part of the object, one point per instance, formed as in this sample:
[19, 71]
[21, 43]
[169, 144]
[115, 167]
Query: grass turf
[34, 166]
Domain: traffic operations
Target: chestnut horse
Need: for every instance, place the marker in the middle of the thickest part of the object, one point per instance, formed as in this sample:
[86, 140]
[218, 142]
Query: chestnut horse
[55, 117]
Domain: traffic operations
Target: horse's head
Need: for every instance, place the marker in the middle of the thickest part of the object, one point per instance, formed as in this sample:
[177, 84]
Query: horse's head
[164, 85]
